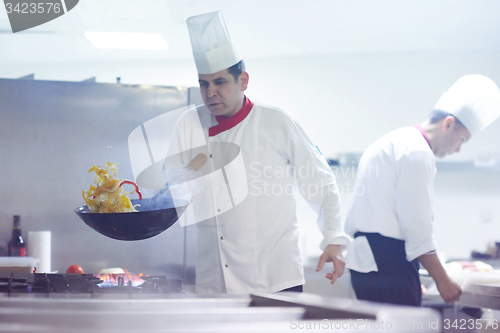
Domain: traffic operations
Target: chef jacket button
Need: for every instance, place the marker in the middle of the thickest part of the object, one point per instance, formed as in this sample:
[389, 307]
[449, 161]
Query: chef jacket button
[226, 265]
[222, 237]
[218, 210]
[210, 155]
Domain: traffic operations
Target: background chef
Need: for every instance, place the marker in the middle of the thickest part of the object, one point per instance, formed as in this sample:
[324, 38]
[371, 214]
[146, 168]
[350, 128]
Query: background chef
[251, 245]
[392, 220]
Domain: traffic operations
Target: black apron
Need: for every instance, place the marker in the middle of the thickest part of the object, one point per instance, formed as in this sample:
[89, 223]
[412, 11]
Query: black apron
[397, 280]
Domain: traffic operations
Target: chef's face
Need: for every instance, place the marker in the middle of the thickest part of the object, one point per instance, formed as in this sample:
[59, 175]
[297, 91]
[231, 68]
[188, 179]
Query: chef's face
[453, 135]
[222, 95]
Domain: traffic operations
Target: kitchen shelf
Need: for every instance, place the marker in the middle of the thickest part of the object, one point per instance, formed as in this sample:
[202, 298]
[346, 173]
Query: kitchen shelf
[466, 166]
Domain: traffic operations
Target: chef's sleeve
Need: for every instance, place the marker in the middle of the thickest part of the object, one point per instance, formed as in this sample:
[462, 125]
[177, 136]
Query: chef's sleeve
[317, 185]
[414, 195]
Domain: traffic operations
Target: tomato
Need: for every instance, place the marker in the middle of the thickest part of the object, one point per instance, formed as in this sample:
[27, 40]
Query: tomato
[74, 269]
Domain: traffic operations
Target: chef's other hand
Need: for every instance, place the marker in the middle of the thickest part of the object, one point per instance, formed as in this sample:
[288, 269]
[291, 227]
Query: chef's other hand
[449, 290]
[332, 253]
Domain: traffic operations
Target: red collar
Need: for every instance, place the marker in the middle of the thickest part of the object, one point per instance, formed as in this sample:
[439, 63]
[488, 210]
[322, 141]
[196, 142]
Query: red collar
[417, 126]
[225, 123]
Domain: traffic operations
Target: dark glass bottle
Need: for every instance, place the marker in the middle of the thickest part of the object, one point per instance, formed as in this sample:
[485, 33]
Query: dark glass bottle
[17, 248]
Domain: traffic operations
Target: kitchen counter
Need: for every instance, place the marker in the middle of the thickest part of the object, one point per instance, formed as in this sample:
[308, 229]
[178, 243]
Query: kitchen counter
[476, 311]
[281, 312]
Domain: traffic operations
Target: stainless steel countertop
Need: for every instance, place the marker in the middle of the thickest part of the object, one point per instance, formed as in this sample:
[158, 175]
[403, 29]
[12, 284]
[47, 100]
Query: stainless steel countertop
[280, 312]
[481, 296]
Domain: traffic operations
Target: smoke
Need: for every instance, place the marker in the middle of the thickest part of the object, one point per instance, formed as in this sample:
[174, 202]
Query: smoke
[179, 187]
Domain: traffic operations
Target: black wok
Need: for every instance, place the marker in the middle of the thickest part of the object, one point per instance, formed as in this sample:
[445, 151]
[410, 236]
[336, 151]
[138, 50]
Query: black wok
[150, 221]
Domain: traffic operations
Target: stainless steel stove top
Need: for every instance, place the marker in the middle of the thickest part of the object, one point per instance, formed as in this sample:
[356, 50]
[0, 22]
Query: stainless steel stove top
[88, 283]
[281, 312]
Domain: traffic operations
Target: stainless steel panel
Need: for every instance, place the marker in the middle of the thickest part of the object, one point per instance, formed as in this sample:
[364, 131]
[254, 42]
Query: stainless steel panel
[110, 319]
[120, 304]
[284, 312]
[50, 134]
[481, 296]
[318, 307]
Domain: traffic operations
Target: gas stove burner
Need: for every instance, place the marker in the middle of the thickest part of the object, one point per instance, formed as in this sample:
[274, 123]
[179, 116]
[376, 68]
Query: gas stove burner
[162, 284]
[9, 284]
[119, 280]
[155, 278]
[12, 280]
[65, 283]
[89, 284]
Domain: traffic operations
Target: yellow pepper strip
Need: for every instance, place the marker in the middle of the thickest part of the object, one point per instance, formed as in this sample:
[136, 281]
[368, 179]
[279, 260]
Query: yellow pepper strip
[107, 195]
[101, 189]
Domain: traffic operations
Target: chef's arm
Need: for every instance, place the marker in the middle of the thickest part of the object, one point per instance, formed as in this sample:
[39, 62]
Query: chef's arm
[334, 238]
[448, 289]
[318, 187]
[414, 193]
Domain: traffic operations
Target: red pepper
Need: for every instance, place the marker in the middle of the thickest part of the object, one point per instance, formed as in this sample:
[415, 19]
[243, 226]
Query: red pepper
[135, 185]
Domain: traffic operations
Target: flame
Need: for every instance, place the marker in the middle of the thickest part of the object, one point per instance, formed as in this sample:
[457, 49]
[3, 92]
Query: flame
[112, 280]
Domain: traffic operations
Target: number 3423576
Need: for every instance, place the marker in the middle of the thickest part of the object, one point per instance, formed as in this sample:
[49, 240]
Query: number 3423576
[32, 8]
[463, 324]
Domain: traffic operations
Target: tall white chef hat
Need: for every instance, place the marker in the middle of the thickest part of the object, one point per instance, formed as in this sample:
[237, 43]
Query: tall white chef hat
[474, 100]
[213, 49]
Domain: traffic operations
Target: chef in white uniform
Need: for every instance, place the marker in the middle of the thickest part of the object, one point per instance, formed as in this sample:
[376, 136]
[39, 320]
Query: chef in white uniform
[391, 218]
[252, 244]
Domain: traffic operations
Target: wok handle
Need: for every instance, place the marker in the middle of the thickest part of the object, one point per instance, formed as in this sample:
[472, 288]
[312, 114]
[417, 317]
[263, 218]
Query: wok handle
[197, 162]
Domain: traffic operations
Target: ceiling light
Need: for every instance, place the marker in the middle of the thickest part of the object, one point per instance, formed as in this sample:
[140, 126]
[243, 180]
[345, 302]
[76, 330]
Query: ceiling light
[126, 41]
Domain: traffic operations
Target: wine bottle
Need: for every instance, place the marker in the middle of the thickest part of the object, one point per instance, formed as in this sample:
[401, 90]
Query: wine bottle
[17, 248]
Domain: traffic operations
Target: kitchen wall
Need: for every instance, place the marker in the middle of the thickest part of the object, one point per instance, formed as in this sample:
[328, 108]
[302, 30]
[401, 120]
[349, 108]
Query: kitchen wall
[51, 133]
[345, 102]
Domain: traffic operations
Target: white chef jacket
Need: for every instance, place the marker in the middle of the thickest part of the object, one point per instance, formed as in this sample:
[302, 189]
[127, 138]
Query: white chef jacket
[393, 197]
[253, 247]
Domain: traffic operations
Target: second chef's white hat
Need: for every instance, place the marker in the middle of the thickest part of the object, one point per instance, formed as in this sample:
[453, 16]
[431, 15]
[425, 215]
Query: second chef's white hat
[474, 100]
[213, 49]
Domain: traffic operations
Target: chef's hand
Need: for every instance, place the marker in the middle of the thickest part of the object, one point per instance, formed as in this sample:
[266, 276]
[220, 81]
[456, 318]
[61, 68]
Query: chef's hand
[332, 253]
[449, 290]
